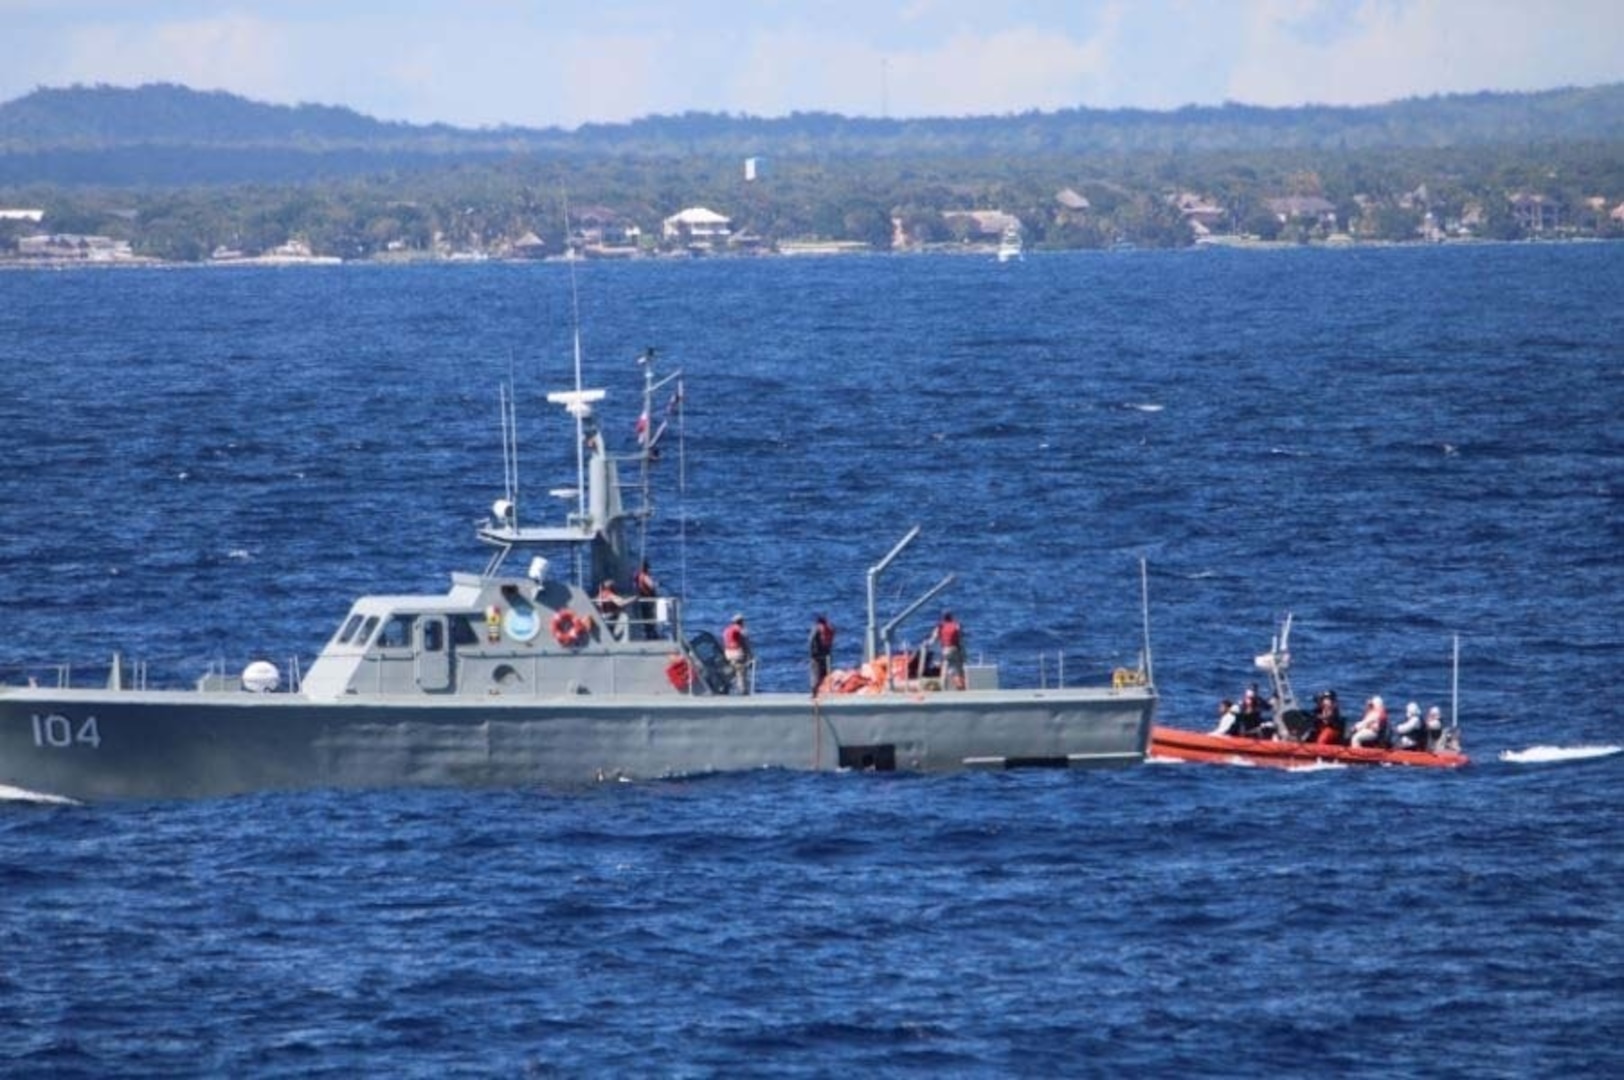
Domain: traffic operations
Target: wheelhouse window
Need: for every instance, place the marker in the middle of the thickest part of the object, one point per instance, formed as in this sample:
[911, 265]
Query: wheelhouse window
[433, 635]
[465, 631]
[346, 634]
[397, 632]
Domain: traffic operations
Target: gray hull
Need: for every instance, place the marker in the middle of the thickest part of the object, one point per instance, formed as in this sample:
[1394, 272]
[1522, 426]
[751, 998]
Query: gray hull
[98, 745]
[570, 668]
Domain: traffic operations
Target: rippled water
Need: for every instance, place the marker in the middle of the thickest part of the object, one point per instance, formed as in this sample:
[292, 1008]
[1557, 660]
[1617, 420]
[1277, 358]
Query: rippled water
[1399, 446]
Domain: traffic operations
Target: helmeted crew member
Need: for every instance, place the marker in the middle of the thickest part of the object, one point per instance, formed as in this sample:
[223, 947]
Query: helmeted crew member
[820, 647]
[1435, 728]
[1252, 716]
[736, 648]
[647, 589]
[1419, 732]
[1372, 730]
[1412, 731]
[1329, 728]
[950, 635]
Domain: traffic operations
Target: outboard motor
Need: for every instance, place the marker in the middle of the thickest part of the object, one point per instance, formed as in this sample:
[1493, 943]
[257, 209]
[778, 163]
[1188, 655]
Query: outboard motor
[1297, 724]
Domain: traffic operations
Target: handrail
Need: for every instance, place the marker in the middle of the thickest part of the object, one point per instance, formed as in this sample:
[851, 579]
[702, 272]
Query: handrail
[118, 675]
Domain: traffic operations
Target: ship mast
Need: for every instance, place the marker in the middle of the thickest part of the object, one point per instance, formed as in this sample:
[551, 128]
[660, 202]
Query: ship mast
[649, 433]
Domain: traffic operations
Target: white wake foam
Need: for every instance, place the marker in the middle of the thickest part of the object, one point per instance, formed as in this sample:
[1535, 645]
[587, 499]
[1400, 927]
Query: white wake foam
[17, 794]
[1545, 755]
[1318, 765]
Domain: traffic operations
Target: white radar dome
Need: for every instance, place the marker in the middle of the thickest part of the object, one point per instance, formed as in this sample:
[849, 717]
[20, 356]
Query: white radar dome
[260, 677]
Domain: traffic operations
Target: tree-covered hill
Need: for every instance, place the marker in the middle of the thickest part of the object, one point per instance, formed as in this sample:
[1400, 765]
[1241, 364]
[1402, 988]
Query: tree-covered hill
[165, 114]
[178, 174]
[166, 134]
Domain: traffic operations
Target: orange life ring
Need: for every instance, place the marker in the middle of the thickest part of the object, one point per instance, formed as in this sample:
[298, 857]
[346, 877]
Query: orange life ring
[570, 629]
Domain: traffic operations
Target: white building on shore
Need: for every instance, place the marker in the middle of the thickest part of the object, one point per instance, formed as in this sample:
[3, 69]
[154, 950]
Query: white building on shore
[697, 225]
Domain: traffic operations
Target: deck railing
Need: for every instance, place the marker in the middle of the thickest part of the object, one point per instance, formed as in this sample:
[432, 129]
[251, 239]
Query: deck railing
[121, 673]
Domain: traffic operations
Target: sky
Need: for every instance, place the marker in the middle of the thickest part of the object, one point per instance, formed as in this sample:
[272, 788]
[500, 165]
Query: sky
[544, 63]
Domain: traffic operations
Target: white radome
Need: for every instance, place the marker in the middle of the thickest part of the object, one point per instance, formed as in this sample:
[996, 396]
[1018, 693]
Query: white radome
[261, 677]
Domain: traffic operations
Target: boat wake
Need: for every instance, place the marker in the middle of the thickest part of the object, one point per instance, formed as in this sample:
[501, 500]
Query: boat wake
[1239, 762]
[1319, 766]
[17, 794]
[1547, 755]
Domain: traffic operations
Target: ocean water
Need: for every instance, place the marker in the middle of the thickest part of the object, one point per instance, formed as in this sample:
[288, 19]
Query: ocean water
[1401, 447]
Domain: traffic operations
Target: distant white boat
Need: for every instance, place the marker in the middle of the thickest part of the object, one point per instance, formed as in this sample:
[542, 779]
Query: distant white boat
[1009, 245]
[295, 252]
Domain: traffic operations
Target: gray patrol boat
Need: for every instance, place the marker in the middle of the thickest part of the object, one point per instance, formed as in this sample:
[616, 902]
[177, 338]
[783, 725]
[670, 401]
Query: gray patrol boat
[515, 676]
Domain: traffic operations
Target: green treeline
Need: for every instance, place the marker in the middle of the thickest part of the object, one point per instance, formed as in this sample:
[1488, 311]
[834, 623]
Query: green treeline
[179, 174]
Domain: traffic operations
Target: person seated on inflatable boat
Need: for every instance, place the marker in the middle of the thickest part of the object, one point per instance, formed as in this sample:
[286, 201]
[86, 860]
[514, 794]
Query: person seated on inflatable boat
[1254, 718]
[1419, 732]
[1411, 732]
[1435, 731]
[1328, 728]
[1373, 732]
[1228, 716]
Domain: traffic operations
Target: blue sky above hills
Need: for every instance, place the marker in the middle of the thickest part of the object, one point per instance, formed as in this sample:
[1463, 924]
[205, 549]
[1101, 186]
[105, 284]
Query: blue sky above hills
[523, 62]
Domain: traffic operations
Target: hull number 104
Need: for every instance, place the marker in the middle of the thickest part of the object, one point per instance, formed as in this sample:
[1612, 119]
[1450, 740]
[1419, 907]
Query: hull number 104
[58, 732]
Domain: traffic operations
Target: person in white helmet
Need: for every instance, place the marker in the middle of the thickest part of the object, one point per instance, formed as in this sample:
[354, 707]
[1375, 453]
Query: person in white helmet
[1412, 730]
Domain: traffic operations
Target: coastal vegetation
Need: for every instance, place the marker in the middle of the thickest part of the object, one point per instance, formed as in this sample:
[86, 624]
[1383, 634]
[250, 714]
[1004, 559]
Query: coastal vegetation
[175, 174]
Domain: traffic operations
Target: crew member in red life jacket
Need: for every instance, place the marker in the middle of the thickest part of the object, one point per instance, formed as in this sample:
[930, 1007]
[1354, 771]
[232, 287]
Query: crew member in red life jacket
[1329, 728]
[611, 604]
[820, 646]
[736, 648]
[1372, 730]
[647, 589]
[950, 635]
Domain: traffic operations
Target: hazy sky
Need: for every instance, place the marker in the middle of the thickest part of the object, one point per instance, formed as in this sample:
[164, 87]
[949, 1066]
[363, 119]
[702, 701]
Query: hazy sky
[567, 62]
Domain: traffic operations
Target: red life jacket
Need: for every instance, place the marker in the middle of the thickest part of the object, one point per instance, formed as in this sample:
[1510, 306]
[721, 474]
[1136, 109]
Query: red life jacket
[950, 634]
[826, 635]
[733, 636]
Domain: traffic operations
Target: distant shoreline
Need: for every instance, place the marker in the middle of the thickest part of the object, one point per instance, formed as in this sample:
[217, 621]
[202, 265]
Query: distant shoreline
[816, 251]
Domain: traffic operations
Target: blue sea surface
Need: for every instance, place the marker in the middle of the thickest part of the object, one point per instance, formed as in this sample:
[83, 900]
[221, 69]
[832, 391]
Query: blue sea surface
[1400, 446]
